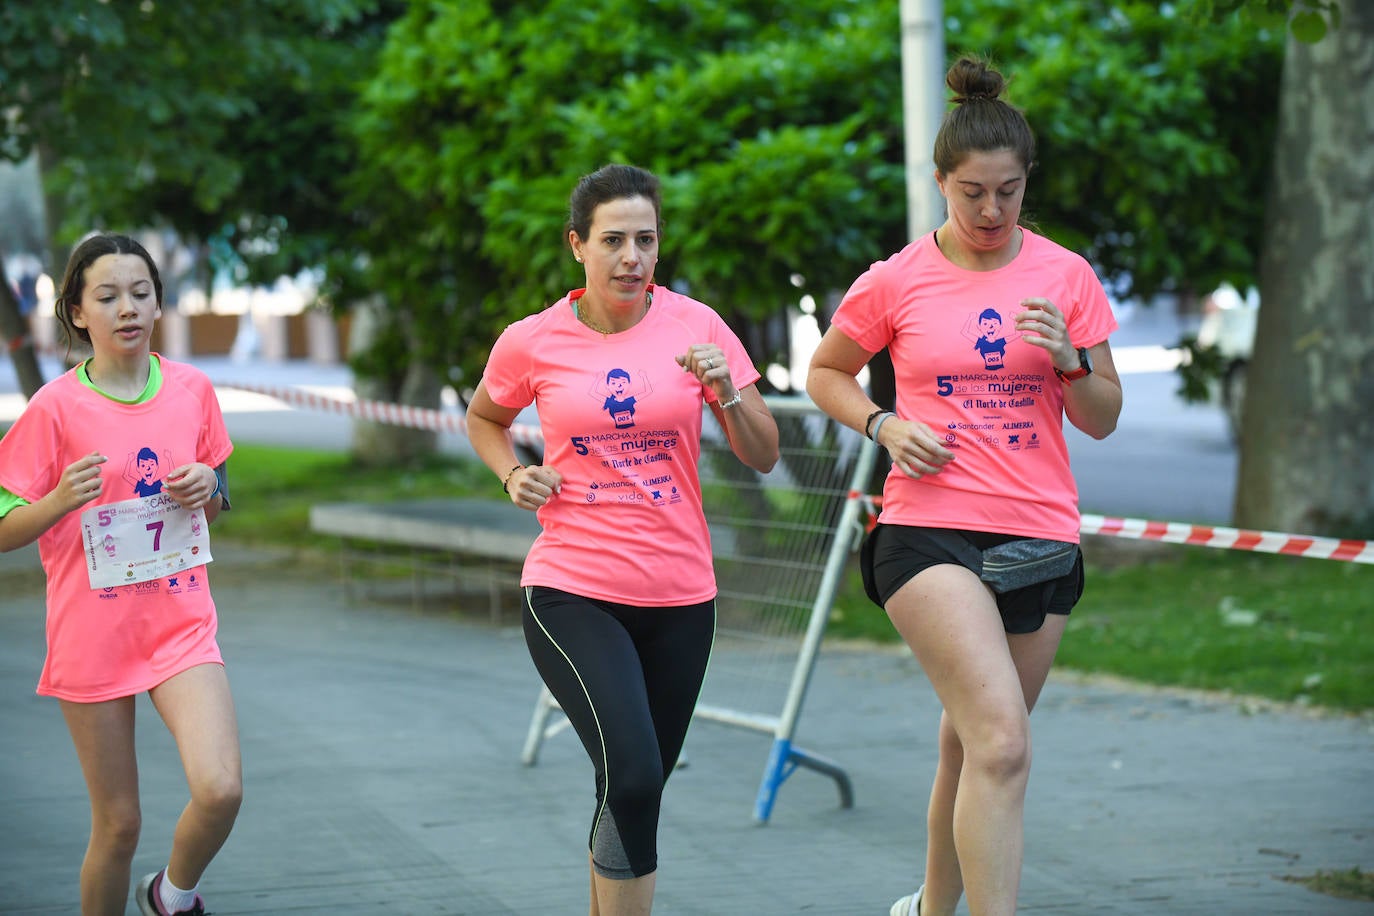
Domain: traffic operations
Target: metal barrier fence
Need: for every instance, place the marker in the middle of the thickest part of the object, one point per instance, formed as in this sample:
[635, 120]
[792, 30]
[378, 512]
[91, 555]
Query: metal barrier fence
[781, 544]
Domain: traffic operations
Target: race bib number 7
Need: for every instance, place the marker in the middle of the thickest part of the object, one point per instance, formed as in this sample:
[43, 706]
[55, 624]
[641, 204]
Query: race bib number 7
[141, 539]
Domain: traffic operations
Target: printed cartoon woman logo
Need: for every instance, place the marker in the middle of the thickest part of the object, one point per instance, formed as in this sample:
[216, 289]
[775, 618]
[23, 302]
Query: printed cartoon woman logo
[616, 397]
[985, 330]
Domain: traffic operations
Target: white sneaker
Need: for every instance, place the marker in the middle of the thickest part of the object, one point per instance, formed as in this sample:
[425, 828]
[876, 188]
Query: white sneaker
[910, 905]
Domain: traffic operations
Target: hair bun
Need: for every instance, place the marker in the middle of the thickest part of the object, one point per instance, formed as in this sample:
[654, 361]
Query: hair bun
[972, 79]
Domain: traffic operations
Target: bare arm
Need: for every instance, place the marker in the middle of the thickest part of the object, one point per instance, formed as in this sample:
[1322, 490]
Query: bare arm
[750, 429]
[489, 431]
[831, 381]
[1092, 403]
[749, 425]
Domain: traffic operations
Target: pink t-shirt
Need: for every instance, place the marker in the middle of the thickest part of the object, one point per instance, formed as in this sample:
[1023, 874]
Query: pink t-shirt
[115, 642]
[962, 369]
[622, 424]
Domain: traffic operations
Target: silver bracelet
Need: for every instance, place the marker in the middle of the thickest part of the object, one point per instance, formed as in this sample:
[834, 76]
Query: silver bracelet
[879, 425]
[733, 402]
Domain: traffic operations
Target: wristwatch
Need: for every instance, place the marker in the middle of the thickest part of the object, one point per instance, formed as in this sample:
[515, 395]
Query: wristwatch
[1085, 367]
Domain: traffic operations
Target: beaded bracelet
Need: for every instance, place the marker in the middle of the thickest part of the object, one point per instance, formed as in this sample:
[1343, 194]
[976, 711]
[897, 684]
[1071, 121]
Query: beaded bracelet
[733, 402]
[505, 484]
[869, 421]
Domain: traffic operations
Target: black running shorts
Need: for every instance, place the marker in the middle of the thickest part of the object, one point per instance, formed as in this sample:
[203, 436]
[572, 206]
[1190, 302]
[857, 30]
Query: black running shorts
[893, 554]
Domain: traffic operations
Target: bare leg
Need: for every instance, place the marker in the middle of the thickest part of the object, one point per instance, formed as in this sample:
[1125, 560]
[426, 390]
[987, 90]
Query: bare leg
[950, 621]
[594, 910]
[943, 880]
[631, 897]
[199, 712]
[103, 734]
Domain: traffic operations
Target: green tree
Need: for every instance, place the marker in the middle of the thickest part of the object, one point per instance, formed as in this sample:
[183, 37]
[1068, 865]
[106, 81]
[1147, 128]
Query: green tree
[1147, 138]
[482, 116]
[210, 122]
[220, 123]
[779, 141]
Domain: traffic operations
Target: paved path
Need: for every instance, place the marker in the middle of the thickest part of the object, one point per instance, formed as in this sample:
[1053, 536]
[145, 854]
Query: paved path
[381, 748]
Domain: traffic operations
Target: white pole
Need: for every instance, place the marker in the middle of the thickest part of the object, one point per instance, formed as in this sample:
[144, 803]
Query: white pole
[923, 105]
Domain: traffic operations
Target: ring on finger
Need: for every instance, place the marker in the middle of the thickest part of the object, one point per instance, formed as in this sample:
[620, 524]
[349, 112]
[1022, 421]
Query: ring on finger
[710, 362]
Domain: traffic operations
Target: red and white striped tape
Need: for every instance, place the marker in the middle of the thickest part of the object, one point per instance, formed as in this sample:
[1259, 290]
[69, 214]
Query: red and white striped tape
[1295, 545]
[1140, 529]
[381, 412]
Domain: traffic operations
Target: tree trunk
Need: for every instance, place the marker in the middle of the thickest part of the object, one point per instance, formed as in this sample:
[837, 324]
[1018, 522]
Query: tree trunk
[1307, 444]
[14, 332]
[384, 444]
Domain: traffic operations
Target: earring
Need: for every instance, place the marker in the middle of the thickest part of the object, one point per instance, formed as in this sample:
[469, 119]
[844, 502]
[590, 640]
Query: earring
[578, 258]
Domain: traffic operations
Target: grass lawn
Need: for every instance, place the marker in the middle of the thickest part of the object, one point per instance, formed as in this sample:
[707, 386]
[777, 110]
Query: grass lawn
[1283, 628]
[1287, 628]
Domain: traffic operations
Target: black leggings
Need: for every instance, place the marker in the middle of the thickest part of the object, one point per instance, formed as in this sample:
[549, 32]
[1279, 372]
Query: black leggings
[628, 679]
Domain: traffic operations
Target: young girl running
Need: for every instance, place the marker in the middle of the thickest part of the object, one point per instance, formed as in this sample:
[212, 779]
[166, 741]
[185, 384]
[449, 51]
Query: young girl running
[129, 606]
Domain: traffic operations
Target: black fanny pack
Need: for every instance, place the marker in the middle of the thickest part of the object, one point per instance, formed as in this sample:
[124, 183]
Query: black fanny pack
[1029, 561]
